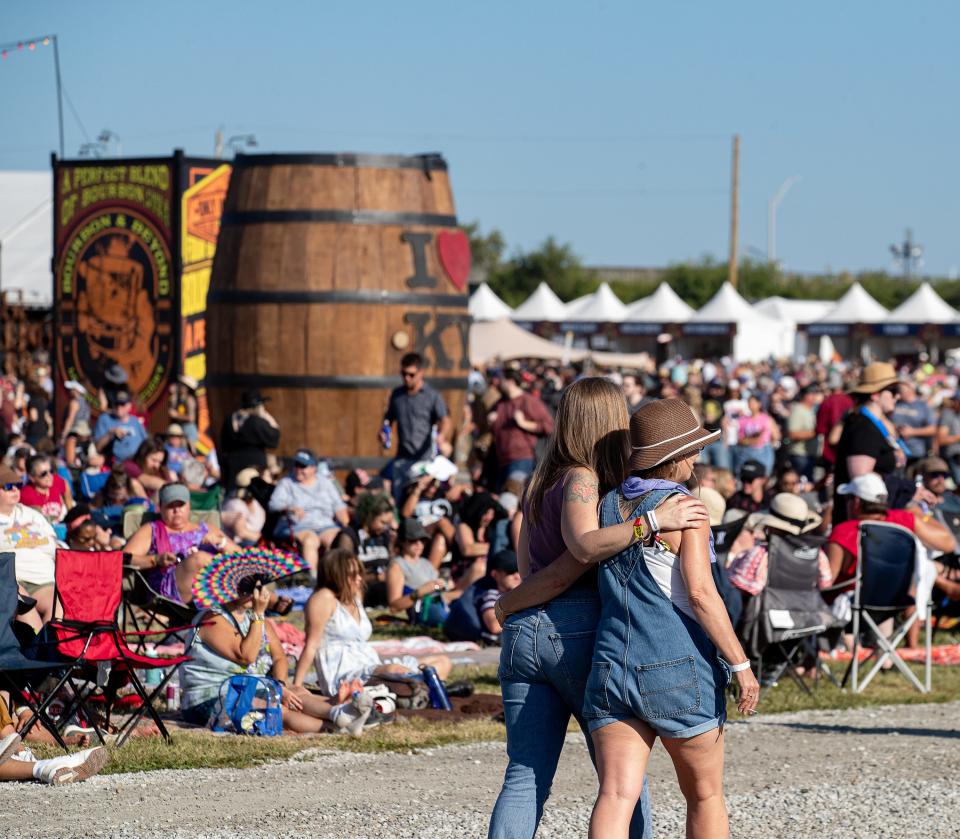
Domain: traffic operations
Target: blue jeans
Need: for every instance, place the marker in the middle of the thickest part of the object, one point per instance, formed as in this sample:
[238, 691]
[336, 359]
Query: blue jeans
[524, 467]
[544, 663]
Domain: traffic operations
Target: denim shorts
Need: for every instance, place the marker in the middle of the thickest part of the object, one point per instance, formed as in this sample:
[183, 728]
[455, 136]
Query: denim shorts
[669, 696]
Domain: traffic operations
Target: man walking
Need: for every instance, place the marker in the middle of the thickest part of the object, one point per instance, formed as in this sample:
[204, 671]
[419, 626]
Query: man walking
[518, 421]
[415, 408]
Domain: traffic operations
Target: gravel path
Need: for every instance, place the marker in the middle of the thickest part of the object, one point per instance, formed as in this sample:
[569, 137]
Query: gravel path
[877, 772]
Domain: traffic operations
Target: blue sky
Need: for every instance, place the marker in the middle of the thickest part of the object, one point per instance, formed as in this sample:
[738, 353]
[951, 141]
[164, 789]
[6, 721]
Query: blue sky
[607, 124]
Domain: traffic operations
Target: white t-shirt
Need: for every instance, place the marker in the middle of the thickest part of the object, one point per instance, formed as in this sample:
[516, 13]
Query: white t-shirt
[734, 410]
[29, 535]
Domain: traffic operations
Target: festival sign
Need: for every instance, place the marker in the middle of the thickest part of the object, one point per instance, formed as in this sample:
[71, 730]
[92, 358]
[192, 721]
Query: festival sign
[115, 280]
[202, 207]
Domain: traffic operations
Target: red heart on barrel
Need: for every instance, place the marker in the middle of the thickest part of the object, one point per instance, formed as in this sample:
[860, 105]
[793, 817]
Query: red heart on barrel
[454, 250]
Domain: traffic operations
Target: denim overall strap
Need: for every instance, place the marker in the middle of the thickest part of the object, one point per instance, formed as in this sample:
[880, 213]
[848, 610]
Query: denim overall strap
[623, 564]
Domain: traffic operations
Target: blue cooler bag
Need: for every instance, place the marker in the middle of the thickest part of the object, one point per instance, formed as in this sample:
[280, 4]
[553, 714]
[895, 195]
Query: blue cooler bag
[250, 705]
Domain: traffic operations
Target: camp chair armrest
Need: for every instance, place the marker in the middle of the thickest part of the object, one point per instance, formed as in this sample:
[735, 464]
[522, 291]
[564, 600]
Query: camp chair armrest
[167, 630]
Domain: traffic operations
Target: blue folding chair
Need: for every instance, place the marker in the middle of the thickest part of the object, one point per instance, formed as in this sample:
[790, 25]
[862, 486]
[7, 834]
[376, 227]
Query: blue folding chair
[888, 556]
[20, 674]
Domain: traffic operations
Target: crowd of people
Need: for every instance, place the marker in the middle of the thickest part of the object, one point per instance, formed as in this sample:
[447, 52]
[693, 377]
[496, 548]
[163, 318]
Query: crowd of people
[438, 536]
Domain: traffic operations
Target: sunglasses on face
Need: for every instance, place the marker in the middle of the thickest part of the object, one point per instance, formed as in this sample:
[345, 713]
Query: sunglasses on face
[938, 475]
[409, 374]
[11, 487]
[42, 474]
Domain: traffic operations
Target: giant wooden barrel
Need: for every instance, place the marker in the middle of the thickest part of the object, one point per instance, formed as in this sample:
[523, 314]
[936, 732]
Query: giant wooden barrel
[328, 268]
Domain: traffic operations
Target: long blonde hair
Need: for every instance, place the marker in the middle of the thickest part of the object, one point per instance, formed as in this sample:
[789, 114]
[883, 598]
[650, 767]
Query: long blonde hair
[591, 429]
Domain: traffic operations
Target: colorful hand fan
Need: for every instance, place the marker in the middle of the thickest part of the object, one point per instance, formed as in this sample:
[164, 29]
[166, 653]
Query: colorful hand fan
[217, 583]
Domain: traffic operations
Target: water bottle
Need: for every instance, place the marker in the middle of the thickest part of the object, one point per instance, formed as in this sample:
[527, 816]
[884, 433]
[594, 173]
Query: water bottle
[434, 445]
[152, 675]
[387, 429]
[173, 691]
[438, 693]
[924, 506]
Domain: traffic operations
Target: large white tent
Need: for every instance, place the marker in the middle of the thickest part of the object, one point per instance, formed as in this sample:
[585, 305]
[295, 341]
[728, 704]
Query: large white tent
[757, 335]
[603, 306]
[856, 306]
[924, 306]
[663, 306]
[485, 305]
[26, 236]
[542, 305]
[790, 313]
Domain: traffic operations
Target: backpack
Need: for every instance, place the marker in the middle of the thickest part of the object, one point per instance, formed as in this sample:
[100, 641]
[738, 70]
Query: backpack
[237, 712]
[410, 690]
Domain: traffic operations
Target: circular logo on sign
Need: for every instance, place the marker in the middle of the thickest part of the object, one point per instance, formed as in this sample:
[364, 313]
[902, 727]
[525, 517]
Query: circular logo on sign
[116, 305]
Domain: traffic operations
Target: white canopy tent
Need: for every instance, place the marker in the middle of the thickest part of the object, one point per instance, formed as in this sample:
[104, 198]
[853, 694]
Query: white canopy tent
[485, 305]
[924, 306]
[663, 306]
[26, 236]
[542, 305]
[603, 306]
[856, 306]
[757, 337]
[790, 313]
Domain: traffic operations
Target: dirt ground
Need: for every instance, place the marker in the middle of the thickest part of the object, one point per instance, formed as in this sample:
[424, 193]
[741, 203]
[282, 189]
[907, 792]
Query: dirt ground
[876, 772]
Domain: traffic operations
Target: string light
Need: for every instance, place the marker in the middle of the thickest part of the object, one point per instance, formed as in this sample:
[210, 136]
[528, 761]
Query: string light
[29, 44]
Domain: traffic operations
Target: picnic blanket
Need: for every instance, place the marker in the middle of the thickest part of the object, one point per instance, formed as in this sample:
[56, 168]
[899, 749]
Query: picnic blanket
[942, 654]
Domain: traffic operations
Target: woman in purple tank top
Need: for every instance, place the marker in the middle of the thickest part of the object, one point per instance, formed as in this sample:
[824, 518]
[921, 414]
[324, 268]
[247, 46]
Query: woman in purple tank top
[547, 649]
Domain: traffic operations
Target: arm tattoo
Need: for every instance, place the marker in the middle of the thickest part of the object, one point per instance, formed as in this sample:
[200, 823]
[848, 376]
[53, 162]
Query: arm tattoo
[584, 490]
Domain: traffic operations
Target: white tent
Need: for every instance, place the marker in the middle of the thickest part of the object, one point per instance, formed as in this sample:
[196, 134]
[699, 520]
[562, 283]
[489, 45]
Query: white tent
[924, 306]
[504, 340]
[542, 305]
[485, 305]
[26, 235]
[603, 306]
[758, 336]
[663, 306]
[793, 312]
[856, 306]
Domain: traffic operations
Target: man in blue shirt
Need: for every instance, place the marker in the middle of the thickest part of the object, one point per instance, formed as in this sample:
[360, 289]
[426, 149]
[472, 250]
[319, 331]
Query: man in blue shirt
[118, 433]
[915, 421]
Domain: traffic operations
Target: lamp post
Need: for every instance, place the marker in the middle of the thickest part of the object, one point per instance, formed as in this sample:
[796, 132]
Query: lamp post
[772, 216]
[106, 136]
[241, 141]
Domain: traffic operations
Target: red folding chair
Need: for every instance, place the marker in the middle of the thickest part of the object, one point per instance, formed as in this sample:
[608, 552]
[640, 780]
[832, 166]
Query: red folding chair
[88, 592]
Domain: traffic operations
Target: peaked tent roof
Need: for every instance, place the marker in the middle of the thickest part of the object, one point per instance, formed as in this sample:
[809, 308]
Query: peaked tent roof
[485, 305]
[603, 306]
[795, 311]
[727, 306]
[26, 235]
[542, 305]
[663, 306]
[856, 306]
[924, 306]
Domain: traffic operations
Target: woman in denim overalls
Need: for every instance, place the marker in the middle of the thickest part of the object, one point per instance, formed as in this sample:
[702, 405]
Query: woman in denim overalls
[546, 651]
[657, 668]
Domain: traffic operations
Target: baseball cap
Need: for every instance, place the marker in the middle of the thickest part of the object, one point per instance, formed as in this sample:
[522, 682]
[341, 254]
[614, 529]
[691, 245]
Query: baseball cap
[305, 457]
[504, 561]
[121, 397]
[751, 470]
[411, 530]
[869, 487]
[172, 493]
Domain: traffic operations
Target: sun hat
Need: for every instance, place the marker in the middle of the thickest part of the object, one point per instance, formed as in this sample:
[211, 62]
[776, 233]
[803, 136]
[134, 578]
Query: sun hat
[932, 464]
[172, 493]
[189, 381]
[441, 468]
[175, 430]
[665, 429]
[715, 504]
[788, 512]
[116, 375]
[875, 377]
[71, 385]
[868, 487]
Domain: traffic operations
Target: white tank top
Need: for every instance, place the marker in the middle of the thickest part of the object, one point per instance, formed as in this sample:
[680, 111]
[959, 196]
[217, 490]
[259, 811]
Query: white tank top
[664, 566]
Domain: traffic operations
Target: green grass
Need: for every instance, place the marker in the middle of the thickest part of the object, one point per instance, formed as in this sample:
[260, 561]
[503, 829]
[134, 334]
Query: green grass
[193, 749]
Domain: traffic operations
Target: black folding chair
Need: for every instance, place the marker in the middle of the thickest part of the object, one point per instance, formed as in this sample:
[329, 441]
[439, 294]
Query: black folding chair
[792, 611]
[888, 557]
[148, 611]
[20, 674]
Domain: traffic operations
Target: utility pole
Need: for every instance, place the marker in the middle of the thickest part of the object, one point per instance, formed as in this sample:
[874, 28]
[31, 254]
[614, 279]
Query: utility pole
[734, 211]
[772, 205]
[908, 255]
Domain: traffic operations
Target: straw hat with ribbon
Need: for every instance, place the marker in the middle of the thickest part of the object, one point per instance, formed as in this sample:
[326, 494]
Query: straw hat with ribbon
[875, 377]
[664, 430]
[788, 512]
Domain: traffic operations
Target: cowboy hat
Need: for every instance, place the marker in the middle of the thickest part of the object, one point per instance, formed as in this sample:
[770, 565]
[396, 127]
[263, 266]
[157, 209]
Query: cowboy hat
[788, 512]
[665, 429]
[875, 377]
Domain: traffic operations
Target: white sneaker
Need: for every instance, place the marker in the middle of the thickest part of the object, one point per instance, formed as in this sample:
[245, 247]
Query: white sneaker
[351, 716]
[71, 768]
[8, 746]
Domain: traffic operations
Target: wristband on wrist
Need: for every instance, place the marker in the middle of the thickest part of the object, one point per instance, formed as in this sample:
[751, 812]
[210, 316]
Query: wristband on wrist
[737, 668]
[639, 533]
[652, 521]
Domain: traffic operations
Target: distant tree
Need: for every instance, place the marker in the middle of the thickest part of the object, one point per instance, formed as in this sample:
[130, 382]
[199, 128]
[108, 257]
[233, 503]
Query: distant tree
[486, 251]
[553, 263]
